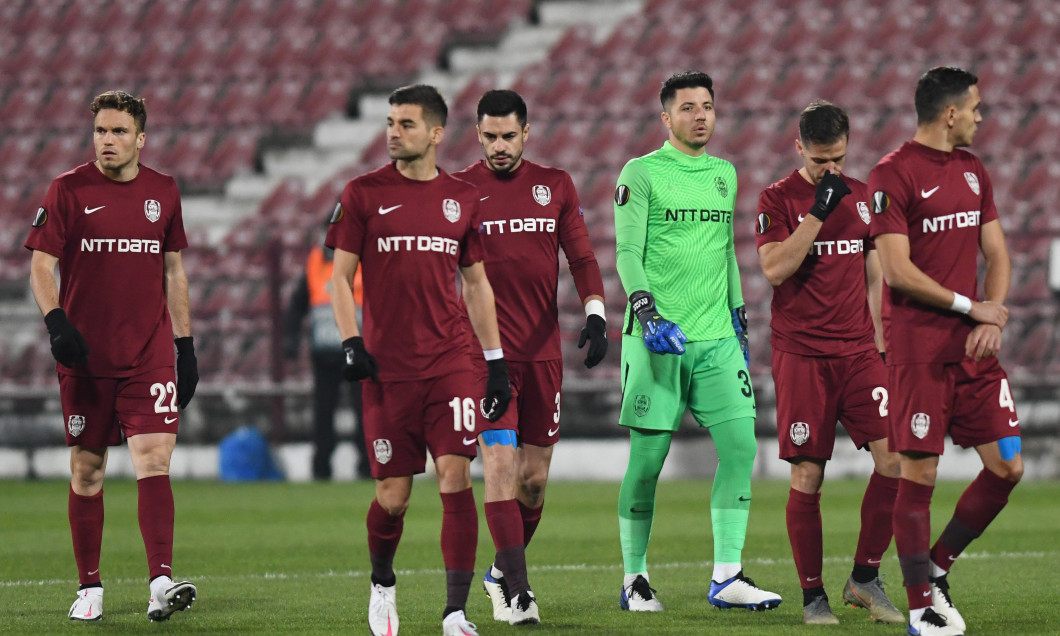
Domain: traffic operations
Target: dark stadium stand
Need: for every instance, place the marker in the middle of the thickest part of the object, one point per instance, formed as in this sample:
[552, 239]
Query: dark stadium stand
[221, 76]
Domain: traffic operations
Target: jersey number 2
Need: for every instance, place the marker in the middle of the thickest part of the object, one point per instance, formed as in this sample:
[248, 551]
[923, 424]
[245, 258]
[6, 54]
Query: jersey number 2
[160, 391]
[880, 394]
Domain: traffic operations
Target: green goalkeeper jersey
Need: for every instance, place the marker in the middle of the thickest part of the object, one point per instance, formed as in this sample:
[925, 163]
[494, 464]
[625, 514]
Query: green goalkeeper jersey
[674, 235]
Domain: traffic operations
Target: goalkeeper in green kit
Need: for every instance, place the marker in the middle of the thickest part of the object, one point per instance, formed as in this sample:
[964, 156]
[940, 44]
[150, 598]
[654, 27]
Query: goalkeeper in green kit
[684, 343]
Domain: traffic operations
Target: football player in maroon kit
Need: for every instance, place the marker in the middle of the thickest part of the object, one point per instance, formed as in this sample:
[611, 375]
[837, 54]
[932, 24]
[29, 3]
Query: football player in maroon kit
[933, 212]
[412, 227]
[814, 246]
[528, 212]
[114, 228]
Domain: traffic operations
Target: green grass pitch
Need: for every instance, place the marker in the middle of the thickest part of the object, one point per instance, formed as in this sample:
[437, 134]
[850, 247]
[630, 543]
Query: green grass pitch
[276, 558]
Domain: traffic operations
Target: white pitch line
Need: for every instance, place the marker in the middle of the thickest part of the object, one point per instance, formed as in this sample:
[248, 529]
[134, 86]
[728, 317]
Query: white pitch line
[576, 567]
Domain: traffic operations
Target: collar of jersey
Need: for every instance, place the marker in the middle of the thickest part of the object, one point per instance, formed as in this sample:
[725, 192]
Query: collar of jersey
[932, 154]
[671, 152]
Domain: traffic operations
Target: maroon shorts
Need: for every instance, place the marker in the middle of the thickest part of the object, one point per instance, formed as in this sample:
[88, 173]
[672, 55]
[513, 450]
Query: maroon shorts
[535, 407]
[102, 412]
[970, 400]
[403, 420]
[814, 393]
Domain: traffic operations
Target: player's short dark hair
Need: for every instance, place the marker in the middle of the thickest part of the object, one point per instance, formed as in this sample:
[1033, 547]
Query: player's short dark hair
[684, 79]
[940, 87]
[822, 122]
[501, 103]
[120, 100]
[435, 112]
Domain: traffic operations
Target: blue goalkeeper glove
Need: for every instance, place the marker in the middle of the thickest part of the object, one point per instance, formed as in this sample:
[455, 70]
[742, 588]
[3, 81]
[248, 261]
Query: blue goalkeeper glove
[660, 335]
[739, 325]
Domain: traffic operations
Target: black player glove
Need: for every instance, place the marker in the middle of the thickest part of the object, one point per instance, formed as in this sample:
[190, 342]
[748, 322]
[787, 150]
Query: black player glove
[187, 370]
[359, 363]
[830, 191]
[498, 390]
[595, 332]
[739, 325]
[660, 335]
[68, 345]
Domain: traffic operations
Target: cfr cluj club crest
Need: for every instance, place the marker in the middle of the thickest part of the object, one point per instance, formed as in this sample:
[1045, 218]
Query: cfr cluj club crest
[451, 210]
[153, 210]
[542, 194]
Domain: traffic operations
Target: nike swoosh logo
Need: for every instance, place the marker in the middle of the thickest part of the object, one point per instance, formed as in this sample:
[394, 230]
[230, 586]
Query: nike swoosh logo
[170, 421]
[634, 510]
[89, 210]
[383, 210]
[389, 629]
[812, 578]
[1013, 423]
[484, 198]
[829, 197]
[165, 566]
[96, 571]
[927, 593]
[874, 561]
[468, 442]
[927, 193]
[951, 558]
[742, 498]
[553, 431]
[801, 217]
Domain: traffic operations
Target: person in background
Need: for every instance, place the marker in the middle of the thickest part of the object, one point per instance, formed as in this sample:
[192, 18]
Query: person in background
[312, 297]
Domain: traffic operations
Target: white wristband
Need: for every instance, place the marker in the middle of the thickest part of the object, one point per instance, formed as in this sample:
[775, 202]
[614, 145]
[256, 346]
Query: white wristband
[493, 354]
[961, 304]
[594, 308]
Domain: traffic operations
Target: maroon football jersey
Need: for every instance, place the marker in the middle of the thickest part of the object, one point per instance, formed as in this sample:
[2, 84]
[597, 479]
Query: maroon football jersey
[821, 310]
[110, 237]
[527, 216]
[940, 200]
[411, 237]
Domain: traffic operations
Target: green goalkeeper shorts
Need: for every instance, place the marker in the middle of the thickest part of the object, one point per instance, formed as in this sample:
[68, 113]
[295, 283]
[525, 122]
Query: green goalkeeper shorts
[710, 379]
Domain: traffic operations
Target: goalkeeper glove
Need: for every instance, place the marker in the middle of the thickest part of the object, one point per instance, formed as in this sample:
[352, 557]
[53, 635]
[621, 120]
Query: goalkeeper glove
[595, 332]
[187, 370]
[739, 325]
[498, 390]
[68, 345]
[359, 363]
[830, 191]
[660, 335]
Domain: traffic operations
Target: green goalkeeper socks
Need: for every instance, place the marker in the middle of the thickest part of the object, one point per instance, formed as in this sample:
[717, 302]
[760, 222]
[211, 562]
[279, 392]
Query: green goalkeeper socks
[636, 498]
[730, 499]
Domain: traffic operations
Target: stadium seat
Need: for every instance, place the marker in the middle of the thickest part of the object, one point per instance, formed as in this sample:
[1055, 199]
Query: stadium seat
[240, 102]
[290, 50]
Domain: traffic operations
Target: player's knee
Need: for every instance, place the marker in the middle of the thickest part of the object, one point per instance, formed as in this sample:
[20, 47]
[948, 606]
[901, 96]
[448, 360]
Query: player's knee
[533, 486]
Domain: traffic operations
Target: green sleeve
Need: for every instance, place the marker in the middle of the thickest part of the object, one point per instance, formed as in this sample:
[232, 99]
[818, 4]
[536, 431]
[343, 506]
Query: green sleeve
[632, 198]
[735, 289]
